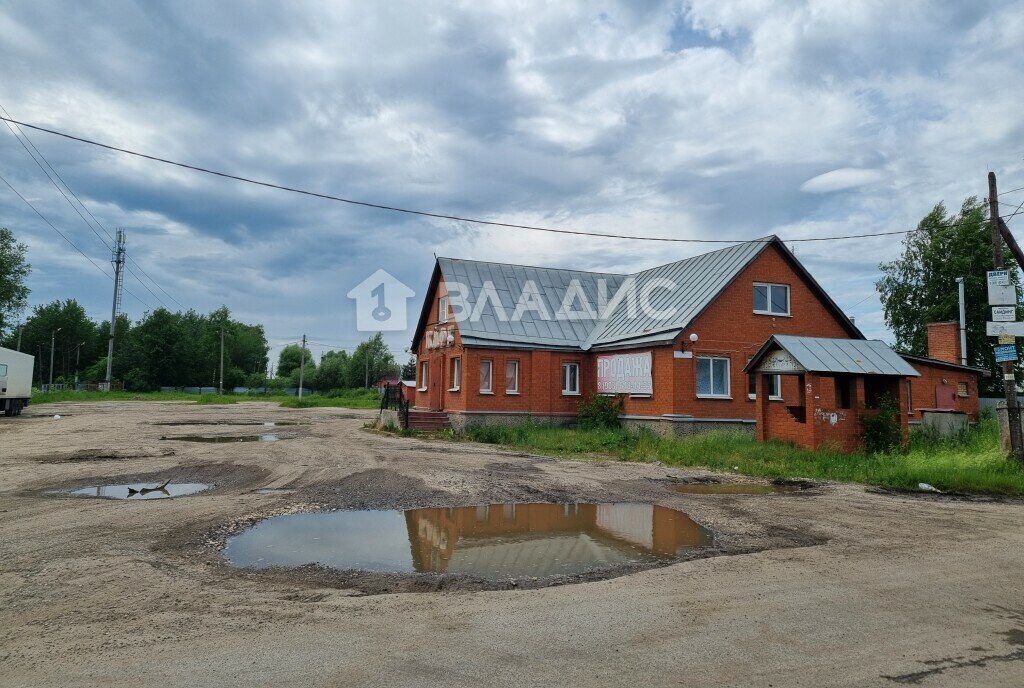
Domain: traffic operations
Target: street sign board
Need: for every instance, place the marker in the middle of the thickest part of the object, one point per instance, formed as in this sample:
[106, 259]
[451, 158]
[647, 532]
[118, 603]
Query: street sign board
[1006, 353]
[1007, 339]
[1004, 313]
[998, 278]
[994, 329]
[1001, 292]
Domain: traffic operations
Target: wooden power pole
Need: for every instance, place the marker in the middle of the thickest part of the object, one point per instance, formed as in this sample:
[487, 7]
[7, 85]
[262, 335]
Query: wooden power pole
[1009, 372]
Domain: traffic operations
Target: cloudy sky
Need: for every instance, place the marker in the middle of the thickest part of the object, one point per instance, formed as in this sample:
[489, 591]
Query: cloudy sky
[703, 119]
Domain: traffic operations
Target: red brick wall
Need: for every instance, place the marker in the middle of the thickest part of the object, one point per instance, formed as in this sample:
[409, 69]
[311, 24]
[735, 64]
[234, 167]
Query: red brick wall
[729, 327]
[944, 341]
[922, 389]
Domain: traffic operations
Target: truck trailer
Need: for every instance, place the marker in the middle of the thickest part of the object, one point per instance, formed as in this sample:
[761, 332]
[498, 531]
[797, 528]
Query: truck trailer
[15, 381]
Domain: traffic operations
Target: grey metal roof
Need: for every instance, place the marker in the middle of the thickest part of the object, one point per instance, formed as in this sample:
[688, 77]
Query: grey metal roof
[824, 355]
[697, 280]
[509, 282]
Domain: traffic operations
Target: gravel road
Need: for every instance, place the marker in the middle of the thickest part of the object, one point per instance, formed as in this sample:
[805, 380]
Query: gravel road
[829, 586]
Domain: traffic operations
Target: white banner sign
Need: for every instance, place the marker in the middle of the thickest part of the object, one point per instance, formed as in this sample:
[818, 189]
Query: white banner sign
[1000, 291]
[1004, 313]
[624, 374]
[994, 329]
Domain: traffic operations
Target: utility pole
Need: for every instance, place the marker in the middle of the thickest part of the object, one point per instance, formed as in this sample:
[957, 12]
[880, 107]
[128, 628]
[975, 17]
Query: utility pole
[1009, 374]
[78, 360]
[40, 347]
[366, 360]
[53, 341]
[20, 327]
[963, 320]
[302, 365]
[117, 260]
[222, 359]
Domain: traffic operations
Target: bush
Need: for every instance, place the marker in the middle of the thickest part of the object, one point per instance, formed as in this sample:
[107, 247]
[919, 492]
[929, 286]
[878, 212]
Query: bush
[882, 431]
[600, 411]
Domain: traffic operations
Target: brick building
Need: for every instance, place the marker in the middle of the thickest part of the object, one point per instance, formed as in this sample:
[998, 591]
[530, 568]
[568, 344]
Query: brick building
[499, 343]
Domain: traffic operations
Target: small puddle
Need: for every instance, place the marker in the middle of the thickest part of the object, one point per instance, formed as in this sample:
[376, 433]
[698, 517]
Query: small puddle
[226, 439]
[136, 491]
[732, 488]
[497, 541]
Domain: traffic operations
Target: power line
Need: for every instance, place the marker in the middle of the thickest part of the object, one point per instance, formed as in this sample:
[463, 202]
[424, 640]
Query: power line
[408, 211]
[19, 134]
[65, 237]
[1003, 193]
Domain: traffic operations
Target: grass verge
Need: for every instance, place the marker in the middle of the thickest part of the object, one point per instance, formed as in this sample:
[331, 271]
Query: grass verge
[971, 463]
[357, 398]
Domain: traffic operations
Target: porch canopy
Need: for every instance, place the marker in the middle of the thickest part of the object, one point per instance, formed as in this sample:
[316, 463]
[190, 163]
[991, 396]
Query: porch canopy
[838, 382]
[784, 353]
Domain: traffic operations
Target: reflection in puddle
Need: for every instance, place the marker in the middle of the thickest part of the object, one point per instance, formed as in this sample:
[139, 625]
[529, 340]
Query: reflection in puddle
[226, 439]
[136, 491]
[496, 541]
[733, 488]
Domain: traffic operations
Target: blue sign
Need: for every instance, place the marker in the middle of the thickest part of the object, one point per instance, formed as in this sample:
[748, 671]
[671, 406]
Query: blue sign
[1006, 353]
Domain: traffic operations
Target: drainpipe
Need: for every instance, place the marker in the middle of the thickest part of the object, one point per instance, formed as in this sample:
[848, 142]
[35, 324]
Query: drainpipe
[963, 321]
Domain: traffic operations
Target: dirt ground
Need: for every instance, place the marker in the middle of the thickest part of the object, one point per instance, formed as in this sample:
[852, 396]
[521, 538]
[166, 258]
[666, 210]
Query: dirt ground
[831, 586]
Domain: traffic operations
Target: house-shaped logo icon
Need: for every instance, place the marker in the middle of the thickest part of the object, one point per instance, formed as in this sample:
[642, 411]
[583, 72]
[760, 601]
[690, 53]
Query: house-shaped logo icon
[380, 303]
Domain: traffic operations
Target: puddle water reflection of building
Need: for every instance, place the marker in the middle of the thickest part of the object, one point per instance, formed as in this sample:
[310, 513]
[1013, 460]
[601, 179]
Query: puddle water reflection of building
[489, 541]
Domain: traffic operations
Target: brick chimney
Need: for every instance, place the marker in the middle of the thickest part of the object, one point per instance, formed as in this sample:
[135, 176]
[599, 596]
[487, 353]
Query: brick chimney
[944, 341]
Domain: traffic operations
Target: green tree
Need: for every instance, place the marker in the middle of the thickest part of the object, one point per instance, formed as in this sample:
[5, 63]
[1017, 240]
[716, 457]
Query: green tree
[13, 271]
[65, 325]
[333, 372]
[409, 369]
[920, 287]
[290, 357]
[371, 361]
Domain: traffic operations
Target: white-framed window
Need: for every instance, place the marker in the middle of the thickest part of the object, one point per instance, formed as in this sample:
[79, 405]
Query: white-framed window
[3, 370]
[456, 374]
[961, 387]
[570, 378]
[423, 376]
[487, 376]
[713, 377]
[442, 309]
[774, 387]
[512, 377]
[771, 299]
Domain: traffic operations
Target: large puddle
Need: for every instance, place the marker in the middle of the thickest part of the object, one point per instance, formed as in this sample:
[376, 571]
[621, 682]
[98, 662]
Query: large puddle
[732, 488]
[136, 491]
[226, 439]
[497, 541]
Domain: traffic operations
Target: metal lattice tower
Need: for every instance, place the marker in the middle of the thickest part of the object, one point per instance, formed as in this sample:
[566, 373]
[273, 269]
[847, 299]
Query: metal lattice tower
[117, 260]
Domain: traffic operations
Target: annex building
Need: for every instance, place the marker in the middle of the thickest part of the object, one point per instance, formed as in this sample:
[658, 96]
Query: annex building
[499, 343]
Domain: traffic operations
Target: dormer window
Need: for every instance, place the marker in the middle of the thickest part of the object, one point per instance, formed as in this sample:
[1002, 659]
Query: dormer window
[771, 299]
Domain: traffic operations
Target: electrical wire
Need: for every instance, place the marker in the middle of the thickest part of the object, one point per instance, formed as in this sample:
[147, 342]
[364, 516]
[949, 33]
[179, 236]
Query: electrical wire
[65, 237]
[19, 134]
[422, 213]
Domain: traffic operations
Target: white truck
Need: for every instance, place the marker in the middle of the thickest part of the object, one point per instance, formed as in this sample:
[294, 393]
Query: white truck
[15, 381]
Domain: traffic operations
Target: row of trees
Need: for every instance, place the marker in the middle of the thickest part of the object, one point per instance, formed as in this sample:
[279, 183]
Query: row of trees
[371, 361]
[162, 349]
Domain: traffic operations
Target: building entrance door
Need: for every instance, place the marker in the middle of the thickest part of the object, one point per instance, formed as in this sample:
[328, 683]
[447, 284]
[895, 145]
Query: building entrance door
[435, 382]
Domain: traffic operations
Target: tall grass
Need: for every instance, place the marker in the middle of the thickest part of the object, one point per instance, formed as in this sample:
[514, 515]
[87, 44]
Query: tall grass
[971, 463]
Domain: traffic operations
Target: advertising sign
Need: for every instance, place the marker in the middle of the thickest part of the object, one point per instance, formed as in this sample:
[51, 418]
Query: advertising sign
[1004, 313]
[1007, 339]
[994, 329]
[624, 374]
[1000, 291]
[1006, 353]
